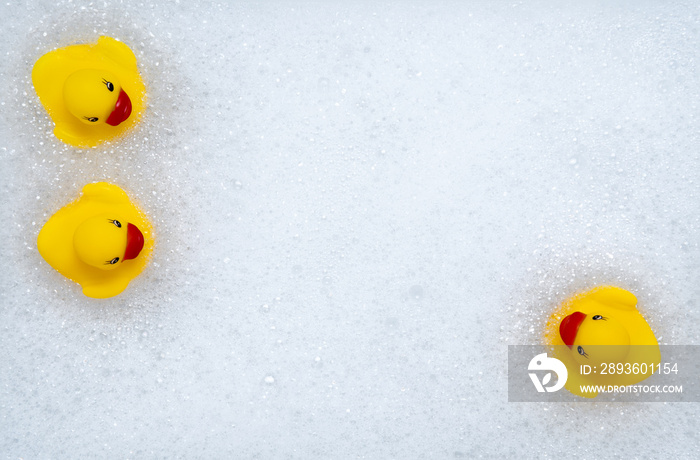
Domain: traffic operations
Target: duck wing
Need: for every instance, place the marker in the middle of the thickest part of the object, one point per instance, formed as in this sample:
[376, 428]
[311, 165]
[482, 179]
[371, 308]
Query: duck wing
[105, 192]
[118, 52]
[614, 297]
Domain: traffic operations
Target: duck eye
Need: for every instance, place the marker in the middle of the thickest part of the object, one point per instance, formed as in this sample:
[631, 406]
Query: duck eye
[114, 261]
[597, 317]
[581, 351]
[108, 84]
[91, 119]
[115, 222]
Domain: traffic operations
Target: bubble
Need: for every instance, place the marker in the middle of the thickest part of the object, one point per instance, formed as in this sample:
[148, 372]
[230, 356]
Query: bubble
[392, 322]
[416, 291]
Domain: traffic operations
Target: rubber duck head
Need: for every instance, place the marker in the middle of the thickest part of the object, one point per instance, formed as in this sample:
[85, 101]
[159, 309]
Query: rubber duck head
[95, 97]
[105, 241]
[595, 338]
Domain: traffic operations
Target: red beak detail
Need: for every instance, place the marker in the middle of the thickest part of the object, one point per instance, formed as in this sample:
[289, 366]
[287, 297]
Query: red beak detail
[122, 109]
[569, 327]
[134, 242]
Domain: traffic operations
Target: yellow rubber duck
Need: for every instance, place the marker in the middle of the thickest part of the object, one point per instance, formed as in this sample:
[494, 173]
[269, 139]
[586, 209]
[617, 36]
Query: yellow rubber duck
[92, 93]
[598, 329]
[101, 240]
